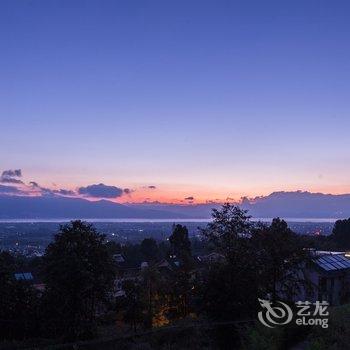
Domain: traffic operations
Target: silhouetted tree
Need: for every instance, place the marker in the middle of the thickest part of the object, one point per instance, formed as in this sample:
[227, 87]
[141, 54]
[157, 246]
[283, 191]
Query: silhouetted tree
[154, 286]
[180, 245]
[229, 226]
[180, 250]
[228, 289]
[133, 303]
[19, 303]
[114, 247]
[258, 260]
[341, 234]
[78, 274]
[150, 250]
[281, 257]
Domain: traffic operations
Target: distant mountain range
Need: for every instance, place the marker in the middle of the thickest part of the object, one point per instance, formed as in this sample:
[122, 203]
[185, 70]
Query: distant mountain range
[283, 204]
[299, 204]
[295, 204]
[57, 207]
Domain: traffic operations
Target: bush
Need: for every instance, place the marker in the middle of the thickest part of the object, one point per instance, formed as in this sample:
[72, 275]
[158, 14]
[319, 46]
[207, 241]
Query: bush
[280, 338]
[337, 335]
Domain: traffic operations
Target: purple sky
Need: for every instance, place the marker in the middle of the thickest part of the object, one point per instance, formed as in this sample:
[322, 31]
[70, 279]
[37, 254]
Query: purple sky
[203, 99]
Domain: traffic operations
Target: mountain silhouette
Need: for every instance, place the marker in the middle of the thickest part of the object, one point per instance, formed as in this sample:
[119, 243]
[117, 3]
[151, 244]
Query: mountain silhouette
[57, 207]
[295, 204]
[299, 204]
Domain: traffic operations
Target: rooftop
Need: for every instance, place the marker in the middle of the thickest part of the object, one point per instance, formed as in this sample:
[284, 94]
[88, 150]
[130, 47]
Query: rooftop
[333, 262]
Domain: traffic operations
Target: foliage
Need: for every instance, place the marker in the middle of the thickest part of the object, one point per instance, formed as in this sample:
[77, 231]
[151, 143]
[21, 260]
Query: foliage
[133, 303]
[337, 335]
[229, 224]
[180, 245]
[280, 256]
[150, 250]
[18, 303]
[79, 274]
[341, 234]
[260, 337]
[180, 280]
[258, 260]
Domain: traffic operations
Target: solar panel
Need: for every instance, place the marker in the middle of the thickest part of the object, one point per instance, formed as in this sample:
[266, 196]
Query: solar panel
[331, 258]
[328, 266]
[337, 265]
[347, 263]
[28, 276]
[325, 266]
[333, 262]
[19, 276]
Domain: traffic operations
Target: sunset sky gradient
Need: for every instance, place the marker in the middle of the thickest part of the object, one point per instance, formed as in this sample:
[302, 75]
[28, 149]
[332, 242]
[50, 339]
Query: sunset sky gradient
[204, 99]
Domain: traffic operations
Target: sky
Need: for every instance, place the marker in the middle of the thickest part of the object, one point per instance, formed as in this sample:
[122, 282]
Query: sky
[205, 99]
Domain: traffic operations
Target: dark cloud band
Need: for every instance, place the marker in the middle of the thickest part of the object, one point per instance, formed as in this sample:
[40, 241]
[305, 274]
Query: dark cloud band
[101, 191]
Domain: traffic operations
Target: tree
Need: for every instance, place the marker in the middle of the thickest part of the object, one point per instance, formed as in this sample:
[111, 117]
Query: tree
[280, 255]
[229, 226]
[133, 304]
[79, 273]
[180, 249]
[341, 234]
[19, 303]
[153, 286]
[150, 250]
[180, 245]
[258, 260]
[114, 247]
[228, 289]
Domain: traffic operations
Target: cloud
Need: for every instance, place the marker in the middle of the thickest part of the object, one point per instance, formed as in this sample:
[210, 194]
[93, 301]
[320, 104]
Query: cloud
[64, 192]
[101, 191]
[9, 190]
[10, 180]
[11, 176]
[12, 173]
[47, 191]
[43, 190]
[149, 187]
[189, 198]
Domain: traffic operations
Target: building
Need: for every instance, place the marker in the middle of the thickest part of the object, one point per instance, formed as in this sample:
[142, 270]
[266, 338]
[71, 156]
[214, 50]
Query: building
[328, 278]
[30, 278]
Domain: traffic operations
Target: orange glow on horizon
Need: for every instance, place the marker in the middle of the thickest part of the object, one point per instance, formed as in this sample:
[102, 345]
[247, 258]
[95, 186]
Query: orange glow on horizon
[185, 194]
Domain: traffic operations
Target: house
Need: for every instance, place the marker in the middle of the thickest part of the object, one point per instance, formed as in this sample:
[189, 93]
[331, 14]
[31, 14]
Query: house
[328, 278]
[211, 258]
[128, 271]
[119, 258]
[30, 278]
